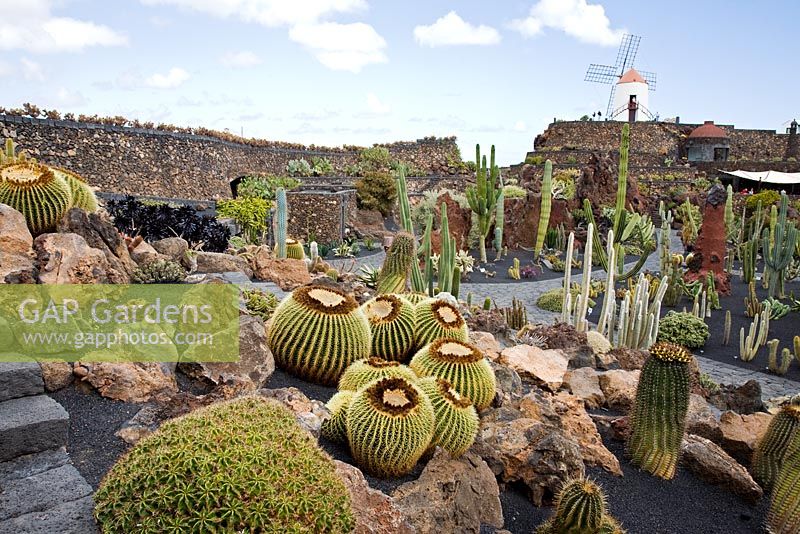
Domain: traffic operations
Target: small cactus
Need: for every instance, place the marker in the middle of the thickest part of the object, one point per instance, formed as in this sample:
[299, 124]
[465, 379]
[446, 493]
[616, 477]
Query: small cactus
[580, 509]
[397, 264]
[159, 272]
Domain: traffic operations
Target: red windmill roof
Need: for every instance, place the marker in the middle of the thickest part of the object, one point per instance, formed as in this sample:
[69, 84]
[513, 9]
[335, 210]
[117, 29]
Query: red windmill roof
[632, 76]
[708, 129]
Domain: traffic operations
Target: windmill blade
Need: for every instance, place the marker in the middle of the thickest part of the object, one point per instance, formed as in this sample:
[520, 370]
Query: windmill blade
[627, 52]
[609, 109]
[649, 77]
[601, 74]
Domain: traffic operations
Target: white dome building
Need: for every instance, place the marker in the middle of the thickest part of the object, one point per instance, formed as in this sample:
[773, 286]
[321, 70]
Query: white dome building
[631, 98]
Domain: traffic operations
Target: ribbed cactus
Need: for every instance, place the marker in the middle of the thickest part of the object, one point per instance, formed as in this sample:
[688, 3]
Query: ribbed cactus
[37, 192]
[426, 256]
[281, 220]
[774, 446]
[447, 258]
[580, 509]
[294, 249]
[362, 372]
[391, 320]
[417, 280]
[456, 419]
[659, 413]
[390, 424]
[436, 319]
[335, 427]
[784, 511]
[546, 205]
[313, 250]
[9, 155]
[730, 220]
[460, 363]
[499, 219]
[397, 264]
[82, 195]
[779, 251]
[483, 196]
[316, 332]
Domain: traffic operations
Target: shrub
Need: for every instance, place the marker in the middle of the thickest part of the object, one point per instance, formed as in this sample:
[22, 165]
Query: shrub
[298, 167]
[259, 303]
[321, 166]
[159, 272]
[376, 191]
[238, 466]
[768, 197]
[514, 191]
[249, 212]
[376, 158]
[683, 328]
[264, 186]
[535, 160]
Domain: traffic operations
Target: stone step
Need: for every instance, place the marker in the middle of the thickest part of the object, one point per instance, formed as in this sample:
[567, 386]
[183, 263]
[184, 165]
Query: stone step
[30, 425]
[41, 492]
[20, 379]
[74, 517]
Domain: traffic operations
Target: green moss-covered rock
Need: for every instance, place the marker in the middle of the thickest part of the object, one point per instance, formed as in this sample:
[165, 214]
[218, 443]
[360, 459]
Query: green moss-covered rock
[438, 319]
[35, 191]
[456, 419]
[238, 466]
[335, 428]
[390, 423]
[361, 372]
[683, 328]
[462, 365]
[316, 332]
[391, 320]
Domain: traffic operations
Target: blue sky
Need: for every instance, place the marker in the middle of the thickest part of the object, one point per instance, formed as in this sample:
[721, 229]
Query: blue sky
[335, 72]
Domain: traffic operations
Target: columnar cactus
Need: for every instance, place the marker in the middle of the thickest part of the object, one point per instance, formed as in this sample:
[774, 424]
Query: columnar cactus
[779, 251]
[622, 180]
[730, 224]
[335, 427]
[362, 372]
[483, 196]
[436, 319]
[397, 264]
[281, 220]
[659, 413]
[37, 192]
[462, 365]
[456, 419]
[544, 212]
[390, 423]
[784, 510]
[447, 258]
[316, 332]
[391, 320]
[499, 219]
[773, 447]
[417, 280]
[580, 509]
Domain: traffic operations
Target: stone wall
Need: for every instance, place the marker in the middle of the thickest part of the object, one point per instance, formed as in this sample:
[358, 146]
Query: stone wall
[141, 161]
[320, 214]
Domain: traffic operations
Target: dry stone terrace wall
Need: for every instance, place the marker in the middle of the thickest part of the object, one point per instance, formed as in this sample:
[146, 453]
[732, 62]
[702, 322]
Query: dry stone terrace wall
[152, 162]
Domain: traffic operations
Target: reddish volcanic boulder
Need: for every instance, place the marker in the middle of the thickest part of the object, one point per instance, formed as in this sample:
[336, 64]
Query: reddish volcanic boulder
[710, 247]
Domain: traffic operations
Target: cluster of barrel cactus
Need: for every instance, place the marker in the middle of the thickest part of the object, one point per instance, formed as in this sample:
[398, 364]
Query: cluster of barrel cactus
[43, 194]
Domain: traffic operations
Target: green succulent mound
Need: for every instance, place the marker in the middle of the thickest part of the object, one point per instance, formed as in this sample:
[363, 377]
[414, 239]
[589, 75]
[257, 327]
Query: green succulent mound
[552, 300]
[260, 303]
[335, 428]
[391, 320]
[316, 332]
[390, 423]
[580, 509]
[784, 511]
[462, 365]
[397, 264]
[771, 450]
[659, 413]
[237, 466]
[683, 328]
[438, 319]
[362, 372]
[82, 195]
[159, 272]
[456, 419]
[35, 191]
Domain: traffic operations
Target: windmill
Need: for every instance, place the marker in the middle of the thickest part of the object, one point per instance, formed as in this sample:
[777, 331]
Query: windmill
[638, 83]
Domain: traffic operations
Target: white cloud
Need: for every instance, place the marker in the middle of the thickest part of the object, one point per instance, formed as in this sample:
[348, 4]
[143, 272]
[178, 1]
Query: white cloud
[520, 126]
[268, 12]
[69, 98]
[376, 106]
[241, 60]
[31, 26]
[453, 30]
[347, 47]
[586, 22]
[172, 79]
[31, 70]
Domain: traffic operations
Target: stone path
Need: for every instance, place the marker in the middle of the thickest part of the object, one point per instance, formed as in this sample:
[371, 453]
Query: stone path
[40, 490]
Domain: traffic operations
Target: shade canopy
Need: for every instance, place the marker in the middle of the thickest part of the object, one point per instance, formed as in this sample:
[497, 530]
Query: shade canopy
[768, 177]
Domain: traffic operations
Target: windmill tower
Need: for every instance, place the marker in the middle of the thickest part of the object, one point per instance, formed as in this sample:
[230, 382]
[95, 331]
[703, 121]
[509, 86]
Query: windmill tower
[630, 92]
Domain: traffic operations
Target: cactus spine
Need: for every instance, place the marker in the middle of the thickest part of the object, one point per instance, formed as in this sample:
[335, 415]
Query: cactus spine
[778, 251]
[37, 192]
[438, 319]
[784, 512]
[580, 509]
[397, 264]
[362, 372]
[417, 281]
[483, 196]
[499, 218]
[456, 418]
[546, 205]
[771, 451]
[82, 195]
[335, 427]
[281, 222]
[391, 321]
[659, 413]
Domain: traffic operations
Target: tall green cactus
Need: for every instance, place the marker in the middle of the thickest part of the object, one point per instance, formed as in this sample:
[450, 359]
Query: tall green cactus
[426, 252]
[622, 180]
[397, 264]
[483, 196]
[779, 250]
[772, 448]
[447, 257]
[499, 220]
[784, 510]
[544, 211]
[659, 413]
[282, 217]
[417, 280]
[730, 220]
